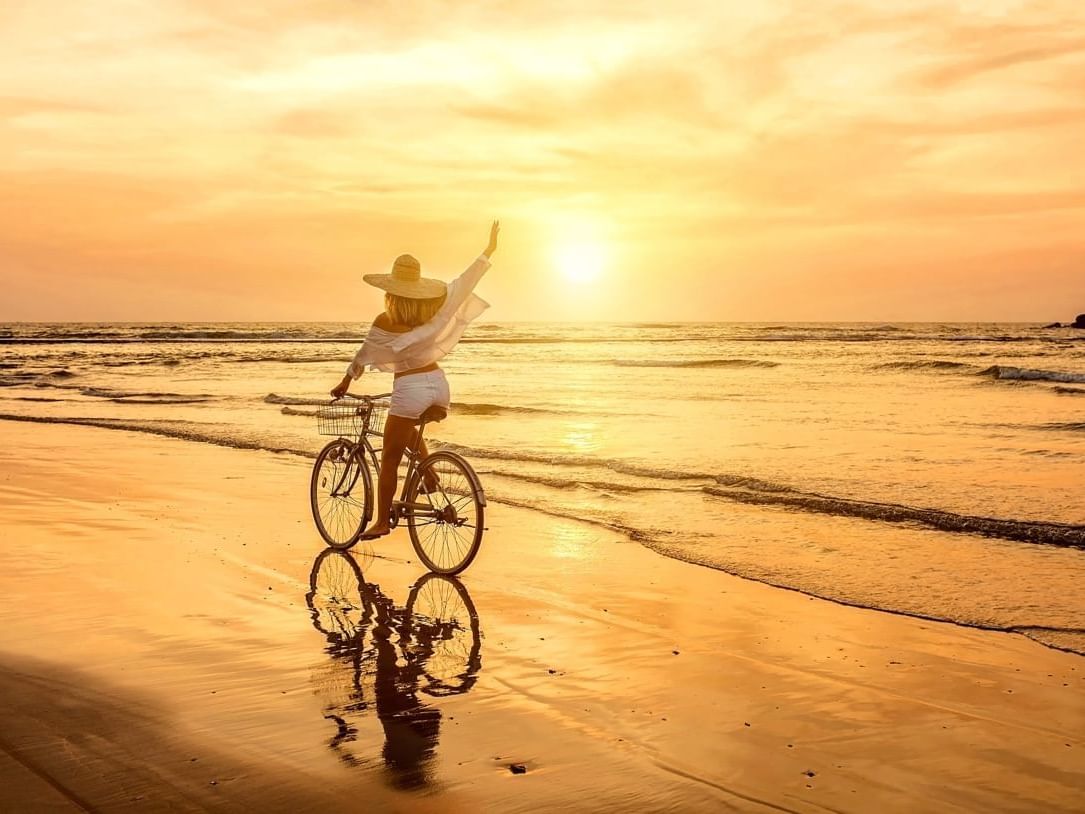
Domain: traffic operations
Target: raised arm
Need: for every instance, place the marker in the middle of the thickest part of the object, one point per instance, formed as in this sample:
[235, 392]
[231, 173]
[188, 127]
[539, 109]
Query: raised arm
[491, 247]
[459, 292]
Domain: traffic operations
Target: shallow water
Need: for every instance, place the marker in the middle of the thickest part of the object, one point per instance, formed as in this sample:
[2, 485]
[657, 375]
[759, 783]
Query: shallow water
[927, 469]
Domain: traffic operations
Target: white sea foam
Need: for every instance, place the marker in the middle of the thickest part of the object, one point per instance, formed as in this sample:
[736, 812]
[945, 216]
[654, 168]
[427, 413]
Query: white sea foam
[1024, 374]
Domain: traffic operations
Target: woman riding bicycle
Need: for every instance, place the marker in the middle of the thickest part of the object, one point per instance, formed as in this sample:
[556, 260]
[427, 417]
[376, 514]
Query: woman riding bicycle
[423, 319]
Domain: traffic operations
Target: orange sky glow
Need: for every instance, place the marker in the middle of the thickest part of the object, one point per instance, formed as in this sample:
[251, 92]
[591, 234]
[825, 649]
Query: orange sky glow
[716, 160]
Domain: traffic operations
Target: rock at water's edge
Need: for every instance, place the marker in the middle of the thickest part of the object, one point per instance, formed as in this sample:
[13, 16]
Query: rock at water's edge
[1079, 322]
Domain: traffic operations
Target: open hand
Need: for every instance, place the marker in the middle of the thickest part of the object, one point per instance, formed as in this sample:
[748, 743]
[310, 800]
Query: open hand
[491, 247]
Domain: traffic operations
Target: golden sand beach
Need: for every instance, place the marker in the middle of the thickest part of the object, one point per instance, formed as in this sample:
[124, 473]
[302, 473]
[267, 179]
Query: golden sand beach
[161, 651]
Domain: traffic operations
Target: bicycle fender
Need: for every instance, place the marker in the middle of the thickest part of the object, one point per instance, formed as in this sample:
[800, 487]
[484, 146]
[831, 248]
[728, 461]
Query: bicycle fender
[471, 474]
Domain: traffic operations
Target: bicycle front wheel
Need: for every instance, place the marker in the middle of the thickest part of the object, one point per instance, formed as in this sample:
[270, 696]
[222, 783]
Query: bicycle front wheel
[446, 521]
[341, 493]
[337, 602]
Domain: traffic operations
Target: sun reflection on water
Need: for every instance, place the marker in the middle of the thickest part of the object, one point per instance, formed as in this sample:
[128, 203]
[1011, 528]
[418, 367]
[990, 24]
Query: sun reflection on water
[570, 541]
[581, 436]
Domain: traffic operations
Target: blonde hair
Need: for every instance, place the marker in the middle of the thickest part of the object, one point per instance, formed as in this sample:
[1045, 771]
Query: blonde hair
[407, 311]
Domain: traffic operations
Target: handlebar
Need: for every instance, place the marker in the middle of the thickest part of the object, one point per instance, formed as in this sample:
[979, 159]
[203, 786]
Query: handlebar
[365, 397]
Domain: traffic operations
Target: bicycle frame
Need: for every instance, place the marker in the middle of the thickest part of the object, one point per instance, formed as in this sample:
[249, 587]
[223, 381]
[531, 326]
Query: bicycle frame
[400, 508]
[441, 500]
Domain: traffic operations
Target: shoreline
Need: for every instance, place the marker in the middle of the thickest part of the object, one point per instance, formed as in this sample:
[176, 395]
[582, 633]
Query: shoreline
[630, 535]
[196, 602]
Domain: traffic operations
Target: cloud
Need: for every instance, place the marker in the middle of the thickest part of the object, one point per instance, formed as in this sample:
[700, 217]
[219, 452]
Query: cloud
[16, 106]
[229, 139]
[956, 70]
[656, 91]
[317, 123]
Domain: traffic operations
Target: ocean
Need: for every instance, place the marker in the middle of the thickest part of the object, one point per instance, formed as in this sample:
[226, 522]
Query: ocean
[936, 470]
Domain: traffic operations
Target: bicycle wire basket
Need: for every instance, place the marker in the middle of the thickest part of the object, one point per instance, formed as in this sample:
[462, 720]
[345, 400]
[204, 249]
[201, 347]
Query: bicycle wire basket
[351, 418]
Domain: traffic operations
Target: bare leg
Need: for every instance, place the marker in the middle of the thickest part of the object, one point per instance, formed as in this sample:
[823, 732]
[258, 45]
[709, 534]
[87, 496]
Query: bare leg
[429, 480]
[398, 433]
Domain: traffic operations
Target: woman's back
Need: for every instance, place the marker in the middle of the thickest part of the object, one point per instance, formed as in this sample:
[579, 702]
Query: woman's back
[385, 322]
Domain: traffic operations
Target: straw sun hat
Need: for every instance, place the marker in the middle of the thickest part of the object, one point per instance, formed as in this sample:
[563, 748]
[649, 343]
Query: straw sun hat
[406, 280]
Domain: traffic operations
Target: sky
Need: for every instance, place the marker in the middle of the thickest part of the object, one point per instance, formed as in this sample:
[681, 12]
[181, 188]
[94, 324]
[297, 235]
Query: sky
[887, 160]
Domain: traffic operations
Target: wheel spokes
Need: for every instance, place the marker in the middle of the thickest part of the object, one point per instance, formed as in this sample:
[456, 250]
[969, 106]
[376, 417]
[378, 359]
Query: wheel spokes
[337, 502]
[448, 534]
[446, 627]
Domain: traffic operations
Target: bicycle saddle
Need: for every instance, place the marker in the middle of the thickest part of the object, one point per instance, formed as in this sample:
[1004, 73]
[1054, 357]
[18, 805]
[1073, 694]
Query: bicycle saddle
[433, 414]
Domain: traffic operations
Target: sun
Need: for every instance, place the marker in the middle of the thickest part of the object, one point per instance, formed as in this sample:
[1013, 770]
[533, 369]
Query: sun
[580, 261]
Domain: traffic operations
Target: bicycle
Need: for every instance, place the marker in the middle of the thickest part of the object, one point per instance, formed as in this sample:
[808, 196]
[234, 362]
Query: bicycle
[445, 519]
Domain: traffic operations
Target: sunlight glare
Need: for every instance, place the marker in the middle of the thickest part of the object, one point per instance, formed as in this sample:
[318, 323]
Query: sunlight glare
[580, 261]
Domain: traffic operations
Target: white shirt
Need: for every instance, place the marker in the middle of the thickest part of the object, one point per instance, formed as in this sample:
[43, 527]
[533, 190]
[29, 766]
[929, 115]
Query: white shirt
[424, 345]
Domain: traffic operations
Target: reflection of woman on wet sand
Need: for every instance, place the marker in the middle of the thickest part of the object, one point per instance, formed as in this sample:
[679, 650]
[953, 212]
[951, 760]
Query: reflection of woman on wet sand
[410, 727]
[432, 645]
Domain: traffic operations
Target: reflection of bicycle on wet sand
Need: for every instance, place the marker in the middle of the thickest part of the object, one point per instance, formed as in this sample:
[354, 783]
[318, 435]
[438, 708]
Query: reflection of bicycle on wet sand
[384, 656]
[442, 500]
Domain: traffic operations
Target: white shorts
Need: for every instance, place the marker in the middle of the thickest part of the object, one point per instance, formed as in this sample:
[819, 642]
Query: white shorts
[411, 395]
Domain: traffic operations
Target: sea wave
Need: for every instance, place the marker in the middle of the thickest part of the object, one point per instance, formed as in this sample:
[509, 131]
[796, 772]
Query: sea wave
[287, 357]
[699, 363]
[516, 340]
[58, 380]
[299, 340]
[924, 364]
[150, 339]
[779, 334]
[1072, 640]
[19, 378]
[180, 430]
[754, 490]
[1025, 374]
[36, 378]
[298, 401]
[146, 397]
[232, 334]
[165, 361]
[758, 491]
[568, 484]
[1048, 426]
[585, 461]
[482, 408]
[1026, 531]
[460, 407]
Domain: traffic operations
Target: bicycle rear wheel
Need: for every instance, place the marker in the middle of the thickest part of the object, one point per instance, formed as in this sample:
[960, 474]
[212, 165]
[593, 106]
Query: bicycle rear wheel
[447, 533]
[341, 493]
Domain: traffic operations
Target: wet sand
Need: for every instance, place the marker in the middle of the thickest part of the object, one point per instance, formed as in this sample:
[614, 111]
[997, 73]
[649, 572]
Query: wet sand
[158, 650]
